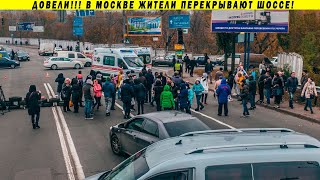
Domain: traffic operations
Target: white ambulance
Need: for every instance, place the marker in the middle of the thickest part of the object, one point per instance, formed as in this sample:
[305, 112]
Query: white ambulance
[144, 54]
[111, 60]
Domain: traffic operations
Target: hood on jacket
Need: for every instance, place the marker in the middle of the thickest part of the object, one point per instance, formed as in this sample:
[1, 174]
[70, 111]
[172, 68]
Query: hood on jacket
[183, 86]
[136, 81]
[224, 81]
[204, 75]
[74, 81]
[166, 88]
[158, 83]
[60, 75]
[32, 88]
[95, 81]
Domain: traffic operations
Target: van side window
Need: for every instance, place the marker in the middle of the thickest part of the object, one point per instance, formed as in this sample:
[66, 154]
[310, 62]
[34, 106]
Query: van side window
[71, 55]
[108, 60]
[287, 170]
[80, 55]
[179, 175]
[234, 172]
[121, 64]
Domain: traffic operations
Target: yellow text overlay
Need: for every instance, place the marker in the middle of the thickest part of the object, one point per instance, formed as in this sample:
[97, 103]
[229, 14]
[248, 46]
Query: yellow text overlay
[160, 5]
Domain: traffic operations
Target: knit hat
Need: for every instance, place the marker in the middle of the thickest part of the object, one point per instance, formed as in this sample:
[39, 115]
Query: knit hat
[99, 76]
[89, 81]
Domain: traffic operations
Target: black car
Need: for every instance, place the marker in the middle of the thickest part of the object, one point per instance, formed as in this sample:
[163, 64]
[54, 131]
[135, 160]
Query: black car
[164, 61]
[6, 62]
[22, 56]
[143, 130]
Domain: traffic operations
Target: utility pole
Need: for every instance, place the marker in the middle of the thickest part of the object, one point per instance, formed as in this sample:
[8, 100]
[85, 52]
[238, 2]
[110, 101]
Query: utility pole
[124, 19]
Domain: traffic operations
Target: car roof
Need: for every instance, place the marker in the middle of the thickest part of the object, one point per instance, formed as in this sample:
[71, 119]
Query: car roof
[228, 141]
[168, 116]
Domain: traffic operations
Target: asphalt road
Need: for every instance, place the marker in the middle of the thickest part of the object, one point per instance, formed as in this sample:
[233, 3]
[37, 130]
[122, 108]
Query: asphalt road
[69, 147]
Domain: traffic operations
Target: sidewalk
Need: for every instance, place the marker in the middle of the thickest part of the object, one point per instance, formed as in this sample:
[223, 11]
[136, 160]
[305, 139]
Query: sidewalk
[298, 110]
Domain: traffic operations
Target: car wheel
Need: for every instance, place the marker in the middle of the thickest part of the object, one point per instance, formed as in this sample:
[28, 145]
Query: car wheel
[13, 66]
[88, 64]
[54, 67]
[77, 66]
[115, 145]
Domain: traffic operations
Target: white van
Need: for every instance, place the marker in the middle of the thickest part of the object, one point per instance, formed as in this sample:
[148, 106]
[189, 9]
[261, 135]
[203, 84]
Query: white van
[46, 49]
[110, 60]
[76, 56]
[144, 54]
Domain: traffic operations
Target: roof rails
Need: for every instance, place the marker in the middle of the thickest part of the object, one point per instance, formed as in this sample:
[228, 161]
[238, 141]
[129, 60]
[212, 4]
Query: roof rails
[281, 146]
[245, 130]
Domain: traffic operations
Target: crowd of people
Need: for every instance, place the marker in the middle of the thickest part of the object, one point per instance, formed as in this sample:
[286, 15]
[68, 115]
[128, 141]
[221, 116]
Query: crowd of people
[173, 93]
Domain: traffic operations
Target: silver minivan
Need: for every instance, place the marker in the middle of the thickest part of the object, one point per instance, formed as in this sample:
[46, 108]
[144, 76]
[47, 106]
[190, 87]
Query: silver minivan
[240, 154]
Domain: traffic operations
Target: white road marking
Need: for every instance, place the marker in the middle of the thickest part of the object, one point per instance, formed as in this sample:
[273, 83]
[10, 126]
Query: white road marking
[73, 151]
[47, 89]
[64, 148]
[214, 119]
[120, 107]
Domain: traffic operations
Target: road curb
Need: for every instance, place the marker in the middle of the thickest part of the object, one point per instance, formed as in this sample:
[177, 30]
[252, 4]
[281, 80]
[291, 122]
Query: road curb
[300, 116]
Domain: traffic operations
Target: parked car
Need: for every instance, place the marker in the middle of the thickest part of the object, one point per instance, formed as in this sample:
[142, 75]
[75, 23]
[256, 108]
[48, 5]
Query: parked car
[242, 154]
[164, 61]
[22, 56]
[6, 62]
[76, 56]
[143, 130]
[56, 49]
[200, 60]
[62, 63]
[4, 54]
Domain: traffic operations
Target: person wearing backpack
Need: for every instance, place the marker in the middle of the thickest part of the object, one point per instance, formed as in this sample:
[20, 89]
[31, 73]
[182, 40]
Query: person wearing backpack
[32, 103]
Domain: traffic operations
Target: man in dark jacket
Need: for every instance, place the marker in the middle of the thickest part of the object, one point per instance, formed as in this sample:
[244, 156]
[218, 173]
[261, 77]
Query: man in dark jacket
[183, 99]
[223, 93]
[158, 88]
[177, 79]
[150, 81]
[174, 90]
[88, 94]
[32, 103]
[142, 79]
[187, 63]
[163, 79]
[261, 86]
[193, 64]
[139, 91]
[292, 84]
[60, 80]
[267, 87]
[75, 93]
[126, 97]
[109, 91]
[244, 97]
[208, 69]
[252, 92]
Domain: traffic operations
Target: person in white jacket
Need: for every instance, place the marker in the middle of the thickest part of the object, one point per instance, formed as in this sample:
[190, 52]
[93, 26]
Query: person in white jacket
[205, 84]
[310, 92]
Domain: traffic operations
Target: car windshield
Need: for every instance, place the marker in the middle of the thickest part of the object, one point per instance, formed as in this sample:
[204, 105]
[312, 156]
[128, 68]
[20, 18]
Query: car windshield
[4, 54]
[133, 61]
[22, 54]
[178, 128]
[130, 169]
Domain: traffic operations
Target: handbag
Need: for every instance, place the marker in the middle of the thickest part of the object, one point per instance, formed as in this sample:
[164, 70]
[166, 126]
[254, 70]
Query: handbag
[311, 96]
[70, 103]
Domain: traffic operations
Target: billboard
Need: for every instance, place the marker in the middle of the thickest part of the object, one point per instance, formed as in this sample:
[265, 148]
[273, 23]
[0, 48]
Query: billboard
[144, 26]
[250, 21]
[25, 26]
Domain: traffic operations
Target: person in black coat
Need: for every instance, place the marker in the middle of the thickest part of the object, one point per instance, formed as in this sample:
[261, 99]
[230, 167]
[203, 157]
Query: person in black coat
[140, 92]
[150, 81]
[174, 90]
[75, 92]
[32, 103]
[158, 88]
[261, 86]
[66, 94]
[252, 92]
[192, 64]
[163, 79]
[126, 97]
[60, 80]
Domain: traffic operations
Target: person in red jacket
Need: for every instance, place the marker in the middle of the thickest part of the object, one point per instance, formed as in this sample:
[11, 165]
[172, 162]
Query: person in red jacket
[97, 94]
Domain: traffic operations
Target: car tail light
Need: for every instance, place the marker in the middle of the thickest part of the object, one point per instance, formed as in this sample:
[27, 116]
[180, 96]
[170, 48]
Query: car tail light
[45, 62]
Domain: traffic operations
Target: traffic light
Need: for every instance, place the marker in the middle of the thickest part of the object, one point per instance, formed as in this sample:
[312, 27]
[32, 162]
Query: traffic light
[2, 21]
[180, 36]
